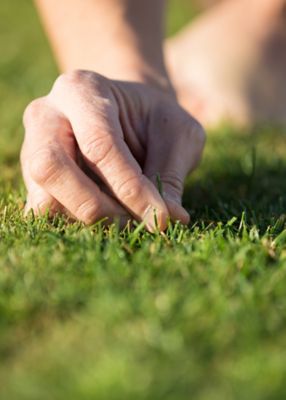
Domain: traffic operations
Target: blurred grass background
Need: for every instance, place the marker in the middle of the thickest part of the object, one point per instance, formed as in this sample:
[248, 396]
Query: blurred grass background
[88, 313]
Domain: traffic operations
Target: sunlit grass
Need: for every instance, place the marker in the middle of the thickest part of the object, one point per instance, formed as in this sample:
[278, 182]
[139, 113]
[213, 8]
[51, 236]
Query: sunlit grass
[99, 313]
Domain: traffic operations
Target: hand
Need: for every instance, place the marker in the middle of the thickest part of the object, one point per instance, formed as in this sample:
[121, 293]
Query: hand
[127, 134]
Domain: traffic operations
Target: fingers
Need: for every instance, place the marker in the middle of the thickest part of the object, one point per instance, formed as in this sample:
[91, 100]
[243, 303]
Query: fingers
[41, 202]
[51, 173]
[95, 123]
[38, 199]
[59, 175]
[171, 157]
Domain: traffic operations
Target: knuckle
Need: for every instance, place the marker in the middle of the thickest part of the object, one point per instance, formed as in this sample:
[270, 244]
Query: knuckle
[197, 135]
[174, 180]
[97, 149]
[89, 212]
[200, 135]
[44, 165]
[80, 77]
[68, 78]
[192, 142]
[99, 83]
[33, 110]
[129, 189]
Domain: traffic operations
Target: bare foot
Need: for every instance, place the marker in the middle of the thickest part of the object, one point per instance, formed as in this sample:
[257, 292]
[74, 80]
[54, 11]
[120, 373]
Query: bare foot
[230, 63]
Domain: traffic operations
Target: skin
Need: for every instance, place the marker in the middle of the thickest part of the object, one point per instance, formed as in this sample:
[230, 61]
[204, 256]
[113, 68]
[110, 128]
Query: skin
[111, 123]
[237, 77]
[229, 63]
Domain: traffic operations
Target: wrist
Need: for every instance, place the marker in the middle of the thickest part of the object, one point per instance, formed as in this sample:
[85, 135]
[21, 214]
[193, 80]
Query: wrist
[122, 61]
[120, 39]
[132, 68]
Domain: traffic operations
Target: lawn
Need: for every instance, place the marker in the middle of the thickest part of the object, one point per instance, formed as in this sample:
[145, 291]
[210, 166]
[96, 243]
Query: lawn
[90, 313]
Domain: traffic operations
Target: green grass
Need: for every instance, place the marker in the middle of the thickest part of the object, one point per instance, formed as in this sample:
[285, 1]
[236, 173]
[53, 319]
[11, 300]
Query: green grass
[93, 313]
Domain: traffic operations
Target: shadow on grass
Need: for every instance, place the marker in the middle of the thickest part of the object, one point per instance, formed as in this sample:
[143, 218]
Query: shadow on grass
[240, 173]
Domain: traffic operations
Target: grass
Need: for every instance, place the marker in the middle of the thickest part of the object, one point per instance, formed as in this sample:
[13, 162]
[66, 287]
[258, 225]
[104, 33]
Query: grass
[93, 313]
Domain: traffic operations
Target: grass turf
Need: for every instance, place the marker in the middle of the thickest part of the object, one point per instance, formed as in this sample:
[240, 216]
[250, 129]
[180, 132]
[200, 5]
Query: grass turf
[92, 313]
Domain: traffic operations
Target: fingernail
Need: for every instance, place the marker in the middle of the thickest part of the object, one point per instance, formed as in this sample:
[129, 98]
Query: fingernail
[177, 211]
[155, 219]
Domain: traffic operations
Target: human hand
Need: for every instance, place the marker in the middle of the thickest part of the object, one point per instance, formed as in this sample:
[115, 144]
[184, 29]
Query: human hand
[126, 133]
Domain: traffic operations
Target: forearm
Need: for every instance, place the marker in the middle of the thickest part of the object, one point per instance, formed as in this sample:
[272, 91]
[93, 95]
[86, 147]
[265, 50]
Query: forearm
[122, 39]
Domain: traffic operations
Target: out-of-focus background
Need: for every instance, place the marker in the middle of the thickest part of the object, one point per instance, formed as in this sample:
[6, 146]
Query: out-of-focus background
[87, 313]
[27, 68]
